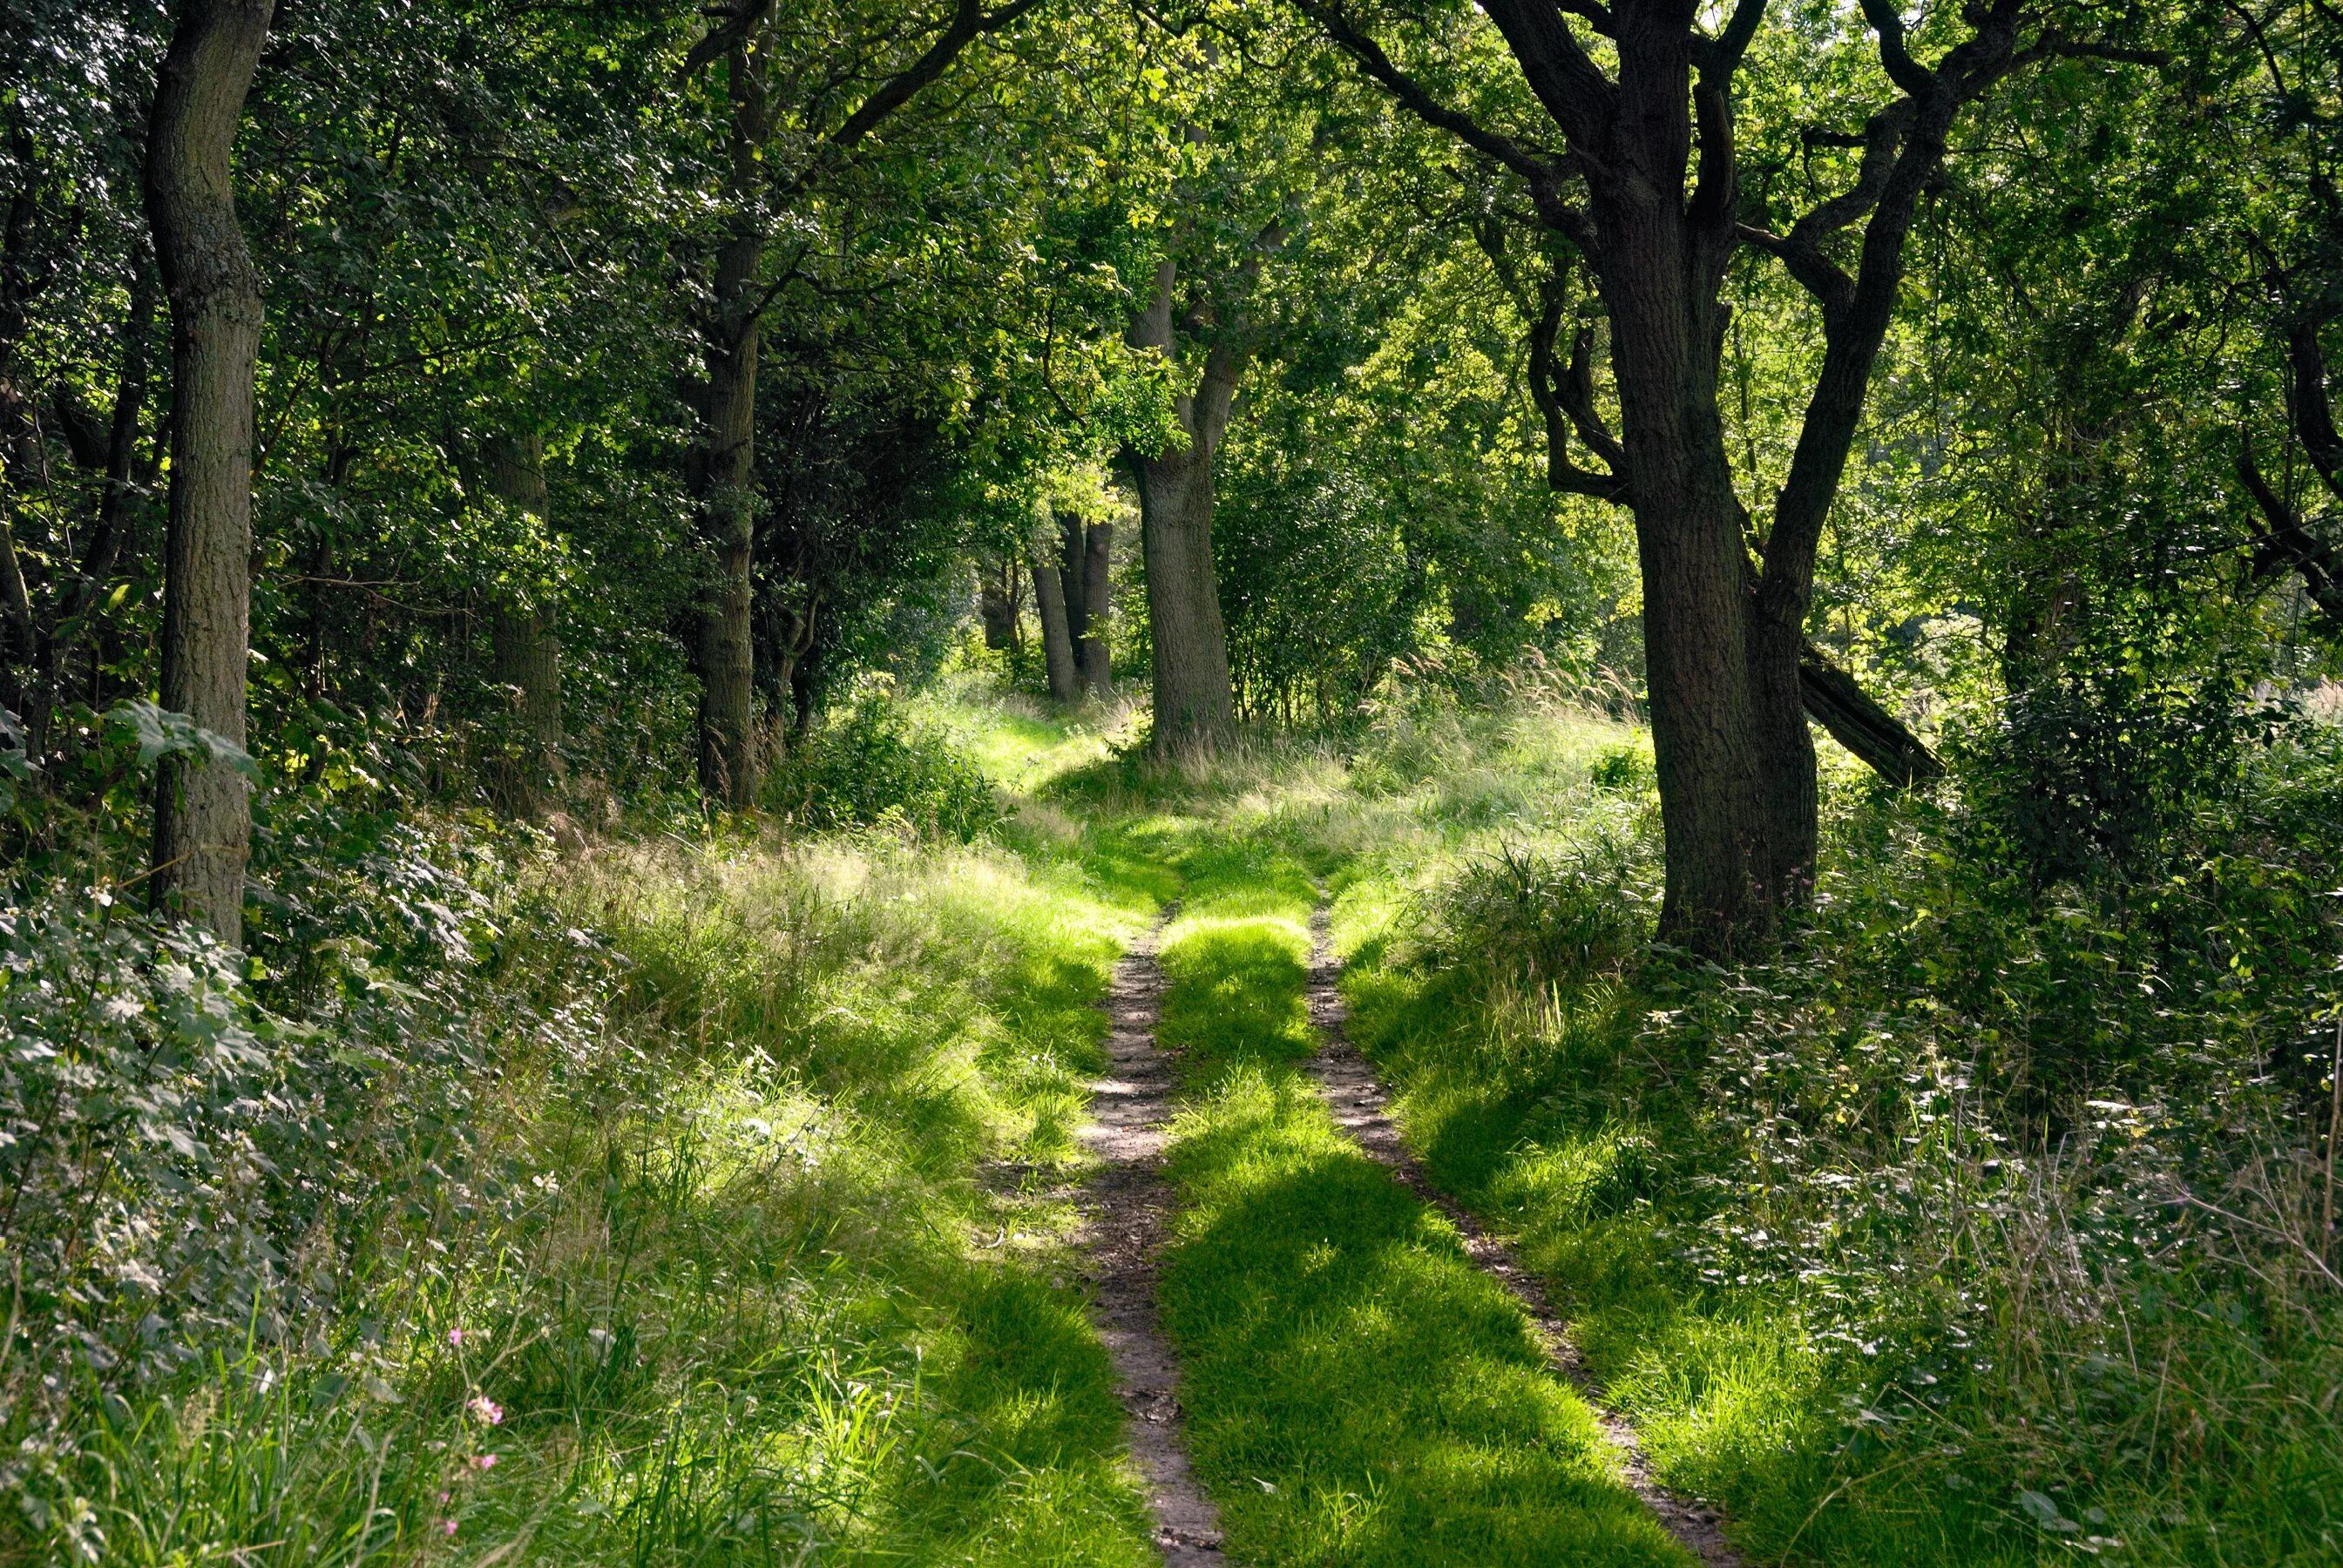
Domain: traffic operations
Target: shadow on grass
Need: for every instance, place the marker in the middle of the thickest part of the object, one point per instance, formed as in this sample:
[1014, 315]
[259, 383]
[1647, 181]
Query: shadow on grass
[1359, 1391]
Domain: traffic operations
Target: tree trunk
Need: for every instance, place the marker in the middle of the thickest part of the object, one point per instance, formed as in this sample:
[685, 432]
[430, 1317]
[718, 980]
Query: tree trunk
[202, 814]
[1091, 654]
[725, 649]
[1194, 705]
[993, 606]
[1690, 540]
[523, 640]
[1658, 223]
[1057, 645]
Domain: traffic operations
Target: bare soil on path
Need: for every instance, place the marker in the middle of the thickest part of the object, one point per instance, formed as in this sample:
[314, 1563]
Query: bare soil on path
[1125, 1210]
[1361, 1107]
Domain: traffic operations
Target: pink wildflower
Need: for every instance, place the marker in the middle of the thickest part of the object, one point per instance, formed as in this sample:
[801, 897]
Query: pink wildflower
[485, 1462]
[456, 1337]
[448, 1526]
[485, 1409]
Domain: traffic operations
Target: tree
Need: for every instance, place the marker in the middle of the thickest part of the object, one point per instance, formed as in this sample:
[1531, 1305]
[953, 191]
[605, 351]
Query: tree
[1647, 194]
[742, 37]
[203, 813]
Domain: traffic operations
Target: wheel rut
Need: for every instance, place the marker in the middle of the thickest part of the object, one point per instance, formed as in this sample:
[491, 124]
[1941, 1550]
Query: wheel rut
[1361, 1107]
[1125, 1212]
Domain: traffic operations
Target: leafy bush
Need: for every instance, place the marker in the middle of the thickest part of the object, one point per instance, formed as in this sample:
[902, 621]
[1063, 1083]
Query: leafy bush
[1623, 768]
[872, 766]
[2096, 767]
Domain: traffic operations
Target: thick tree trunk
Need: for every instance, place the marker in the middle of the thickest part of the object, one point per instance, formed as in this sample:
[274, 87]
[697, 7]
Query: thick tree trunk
[994, 608]
[724, 648]
[203, 816]
[1090, 653]
[1057, 644]
[1194, 704]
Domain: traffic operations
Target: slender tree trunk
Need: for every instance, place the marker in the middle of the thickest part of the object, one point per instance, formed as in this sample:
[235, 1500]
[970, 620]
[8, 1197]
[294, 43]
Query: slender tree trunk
[525, 645]
[1194, 704]
[1091, 654]
[725, 648]
[203, 814]
[1057, 644]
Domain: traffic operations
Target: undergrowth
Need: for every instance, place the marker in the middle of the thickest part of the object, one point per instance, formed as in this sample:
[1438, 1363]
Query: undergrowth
[1977, 1223]
[678, 1201]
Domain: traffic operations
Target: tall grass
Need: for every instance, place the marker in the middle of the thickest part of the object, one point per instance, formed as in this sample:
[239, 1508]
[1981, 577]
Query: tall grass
[761, 1257]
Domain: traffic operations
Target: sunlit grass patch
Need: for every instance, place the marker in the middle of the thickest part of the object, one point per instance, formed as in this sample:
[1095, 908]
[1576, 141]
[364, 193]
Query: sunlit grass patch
[1359, 1392]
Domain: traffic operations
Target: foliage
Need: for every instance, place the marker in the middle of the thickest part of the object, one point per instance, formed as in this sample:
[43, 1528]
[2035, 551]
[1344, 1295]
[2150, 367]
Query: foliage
[872, 765]
[1980, 1221]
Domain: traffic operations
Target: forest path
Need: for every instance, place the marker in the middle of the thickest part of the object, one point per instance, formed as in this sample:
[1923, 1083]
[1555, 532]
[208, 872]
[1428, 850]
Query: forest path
[1361, 1107]
[1125, 1212]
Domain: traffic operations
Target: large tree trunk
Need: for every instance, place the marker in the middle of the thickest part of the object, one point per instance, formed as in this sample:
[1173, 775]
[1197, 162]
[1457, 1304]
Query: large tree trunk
[1090, 652]
[1691, 542]
[724, 648]
[1194, 704]
[1057, 642]
[203, 814]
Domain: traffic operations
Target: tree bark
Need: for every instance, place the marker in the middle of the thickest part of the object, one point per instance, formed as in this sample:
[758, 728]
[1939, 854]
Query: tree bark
[1194, 705]
[1092, 656]
[1194, 701]
[724, 649]
[994, 608]
[203, 814]
[1857, 721]
[1057, 644]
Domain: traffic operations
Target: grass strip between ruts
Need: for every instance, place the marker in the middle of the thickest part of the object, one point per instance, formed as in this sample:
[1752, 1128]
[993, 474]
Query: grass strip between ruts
[1357, 1391]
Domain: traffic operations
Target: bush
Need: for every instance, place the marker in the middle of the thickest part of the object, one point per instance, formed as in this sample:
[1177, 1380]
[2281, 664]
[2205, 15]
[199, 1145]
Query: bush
[872, 766]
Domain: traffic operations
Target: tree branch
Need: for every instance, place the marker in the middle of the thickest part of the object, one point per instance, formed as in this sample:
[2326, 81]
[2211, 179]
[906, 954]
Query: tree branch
[2288, 543]
[1542, 171]
[1837, 702]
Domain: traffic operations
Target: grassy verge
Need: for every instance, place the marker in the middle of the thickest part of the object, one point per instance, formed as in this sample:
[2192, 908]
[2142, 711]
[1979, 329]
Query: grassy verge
[1810, 1222]
[752, 1247]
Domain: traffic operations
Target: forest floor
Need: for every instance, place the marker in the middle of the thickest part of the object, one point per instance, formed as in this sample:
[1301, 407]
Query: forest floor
[1139, 1182]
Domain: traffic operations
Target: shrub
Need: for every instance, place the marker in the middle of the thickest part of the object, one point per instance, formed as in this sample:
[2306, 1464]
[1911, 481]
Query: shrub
[872, 766]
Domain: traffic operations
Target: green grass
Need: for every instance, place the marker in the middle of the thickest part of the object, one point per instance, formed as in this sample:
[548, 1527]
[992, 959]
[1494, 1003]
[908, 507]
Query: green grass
[778, 1271]
[770, 1259]
[1358, 1391]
